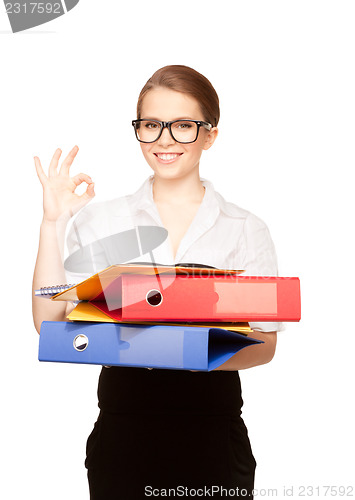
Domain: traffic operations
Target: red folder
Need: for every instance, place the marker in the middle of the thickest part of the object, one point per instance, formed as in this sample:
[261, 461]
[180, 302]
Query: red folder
[200, 298]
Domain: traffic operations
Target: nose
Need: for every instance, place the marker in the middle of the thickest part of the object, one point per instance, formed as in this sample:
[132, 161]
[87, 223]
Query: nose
[165, 139]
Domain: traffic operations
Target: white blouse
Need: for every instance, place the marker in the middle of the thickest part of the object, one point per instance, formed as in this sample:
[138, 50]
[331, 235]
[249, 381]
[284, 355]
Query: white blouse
[221, 234]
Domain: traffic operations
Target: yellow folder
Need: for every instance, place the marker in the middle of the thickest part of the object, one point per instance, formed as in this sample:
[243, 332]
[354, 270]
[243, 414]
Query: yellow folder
[86, 311]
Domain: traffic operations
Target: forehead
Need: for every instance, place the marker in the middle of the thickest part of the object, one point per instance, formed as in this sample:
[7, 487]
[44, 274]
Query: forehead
[166, 104]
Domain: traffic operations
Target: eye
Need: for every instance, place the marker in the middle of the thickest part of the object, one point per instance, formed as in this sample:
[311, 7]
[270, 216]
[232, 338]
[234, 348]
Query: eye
[151, 125]
[183, 125]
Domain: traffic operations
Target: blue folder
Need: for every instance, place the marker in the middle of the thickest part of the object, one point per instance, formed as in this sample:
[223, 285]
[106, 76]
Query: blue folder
[151, 346]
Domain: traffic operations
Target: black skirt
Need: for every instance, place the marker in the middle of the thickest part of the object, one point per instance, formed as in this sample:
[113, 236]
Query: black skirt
[169, 429]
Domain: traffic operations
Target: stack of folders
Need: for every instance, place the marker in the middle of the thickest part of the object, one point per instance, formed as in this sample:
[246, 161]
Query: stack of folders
[173, 317]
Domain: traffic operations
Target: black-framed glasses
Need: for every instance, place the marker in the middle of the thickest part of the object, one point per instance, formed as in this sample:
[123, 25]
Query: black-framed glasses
[183, 131]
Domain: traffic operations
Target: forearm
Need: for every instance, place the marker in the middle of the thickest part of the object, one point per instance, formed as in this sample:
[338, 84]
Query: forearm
[59, 204]
[253, 355]
[49, 270]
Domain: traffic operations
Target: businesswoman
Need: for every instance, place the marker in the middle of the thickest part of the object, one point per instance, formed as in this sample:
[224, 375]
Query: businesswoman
[164, 428]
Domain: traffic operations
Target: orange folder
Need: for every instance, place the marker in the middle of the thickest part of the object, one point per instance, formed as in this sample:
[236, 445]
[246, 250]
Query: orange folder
[97, 283]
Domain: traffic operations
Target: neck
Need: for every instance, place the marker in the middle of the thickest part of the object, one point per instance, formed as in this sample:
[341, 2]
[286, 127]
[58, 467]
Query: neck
[187, 189]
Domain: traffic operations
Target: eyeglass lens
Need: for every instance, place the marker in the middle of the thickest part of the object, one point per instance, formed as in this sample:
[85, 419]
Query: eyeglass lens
[183, 131]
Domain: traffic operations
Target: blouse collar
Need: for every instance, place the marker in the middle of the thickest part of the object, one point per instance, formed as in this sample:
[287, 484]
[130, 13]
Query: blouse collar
[212, 201]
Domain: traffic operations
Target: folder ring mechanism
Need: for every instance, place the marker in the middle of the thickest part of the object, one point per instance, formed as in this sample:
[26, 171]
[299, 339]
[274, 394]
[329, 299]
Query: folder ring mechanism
[154, 297]
[80, 342]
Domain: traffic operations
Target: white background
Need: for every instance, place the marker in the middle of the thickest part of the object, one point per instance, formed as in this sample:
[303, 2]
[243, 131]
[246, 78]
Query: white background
[285, 75]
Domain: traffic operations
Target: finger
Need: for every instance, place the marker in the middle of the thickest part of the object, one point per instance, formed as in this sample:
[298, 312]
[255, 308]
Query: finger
[90, 190]
[89, 193]
[80, 178]
[64, 169]
[41, 175]
[85, 197]
[52, 171]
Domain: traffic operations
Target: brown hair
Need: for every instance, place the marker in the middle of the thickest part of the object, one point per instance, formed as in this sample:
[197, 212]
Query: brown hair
[189, 81]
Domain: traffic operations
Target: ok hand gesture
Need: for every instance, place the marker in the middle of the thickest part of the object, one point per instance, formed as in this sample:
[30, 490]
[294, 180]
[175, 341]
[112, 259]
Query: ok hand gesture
[59, 198]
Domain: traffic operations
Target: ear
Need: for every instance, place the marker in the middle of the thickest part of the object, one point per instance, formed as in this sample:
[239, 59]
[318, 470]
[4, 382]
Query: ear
[210, 137]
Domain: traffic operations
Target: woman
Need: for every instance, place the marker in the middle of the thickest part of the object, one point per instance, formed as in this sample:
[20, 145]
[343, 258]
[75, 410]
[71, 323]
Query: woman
[164, 428]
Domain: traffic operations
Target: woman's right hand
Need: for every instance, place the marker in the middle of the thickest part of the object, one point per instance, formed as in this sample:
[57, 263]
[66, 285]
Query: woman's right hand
[59, 198]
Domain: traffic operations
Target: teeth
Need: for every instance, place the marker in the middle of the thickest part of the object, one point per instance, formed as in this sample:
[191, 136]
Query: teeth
[166, 156]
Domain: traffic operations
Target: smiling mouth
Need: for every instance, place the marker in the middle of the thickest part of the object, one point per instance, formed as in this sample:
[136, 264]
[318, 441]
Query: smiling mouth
[167, 156]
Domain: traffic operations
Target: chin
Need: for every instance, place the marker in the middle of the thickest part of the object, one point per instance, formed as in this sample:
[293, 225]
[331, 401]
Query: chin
[169, 174]
[173, 171]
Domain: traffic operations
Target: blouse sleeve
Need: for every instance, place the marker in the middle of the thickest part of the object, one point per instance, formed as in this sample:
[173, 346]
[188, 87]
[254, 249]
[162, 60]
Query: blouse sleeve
[260, 260]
